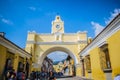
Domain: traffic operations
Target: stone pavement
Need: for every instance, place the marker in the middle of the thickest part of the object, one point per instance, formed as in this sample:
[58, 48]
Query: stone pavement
[73, 78]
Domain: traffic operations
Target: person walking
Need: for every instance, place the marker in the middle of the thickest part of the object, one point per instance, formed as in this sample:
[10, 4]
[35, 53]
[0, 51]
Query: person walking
[52, 77]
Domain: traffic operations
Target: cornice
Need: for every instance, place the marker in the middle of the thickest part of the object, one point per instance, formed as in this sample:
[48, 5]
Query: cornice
[13, 48]
[57, 43]
[44, 34]
[111, 29]
[103, 43]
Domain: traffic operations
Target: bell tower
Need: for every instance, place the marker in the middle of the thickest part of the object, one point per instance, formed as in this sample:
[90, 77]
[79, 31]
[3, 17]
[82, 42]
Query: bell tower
[57, 25]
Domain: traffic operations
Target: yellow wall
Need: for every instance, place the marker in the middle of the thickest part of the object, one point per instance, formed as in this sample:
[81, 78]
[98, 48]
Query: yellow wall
[31, 37]
[45, 38]
[97, 73]
[70, 38]
[2, 58]
[16, 60]
[114, 52]
[82, 36]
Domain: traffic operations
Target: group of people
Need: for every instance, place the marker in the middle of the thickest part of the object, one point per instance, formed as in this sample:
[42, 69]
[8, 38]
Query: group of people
[12, 75]
[42, 75]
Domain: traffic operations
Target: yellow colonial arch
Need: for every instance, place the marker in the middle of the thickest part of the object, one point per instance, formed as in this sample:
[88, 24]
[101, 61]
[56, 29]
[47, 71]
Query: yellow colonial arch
[41, 44]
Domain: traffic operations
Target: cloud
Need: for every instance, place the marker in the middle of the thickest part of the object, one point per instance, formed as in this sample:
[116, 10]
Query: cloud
[32, 8]
[97, 27]
[6, 21]
[113, 14]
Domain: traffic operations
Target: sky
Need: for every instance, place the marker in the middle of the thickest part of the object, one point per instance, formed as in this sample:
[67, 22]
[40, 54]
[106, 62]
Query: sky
[60, 54]
[17, 17]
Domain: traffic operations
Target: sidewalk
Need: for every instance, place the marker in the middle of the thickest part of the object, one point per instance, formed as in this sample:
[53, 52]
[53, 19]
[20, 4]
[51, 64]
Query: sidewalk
[73, 78]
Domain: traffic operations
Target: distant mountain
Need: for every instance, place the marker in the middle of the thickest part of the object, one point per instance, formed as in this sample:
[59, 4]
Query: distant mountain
[56, 62]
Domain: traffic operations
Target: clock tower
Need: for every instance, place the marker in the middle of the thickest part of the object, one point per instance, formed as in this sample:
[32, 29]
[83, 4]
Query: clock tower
[57, 25]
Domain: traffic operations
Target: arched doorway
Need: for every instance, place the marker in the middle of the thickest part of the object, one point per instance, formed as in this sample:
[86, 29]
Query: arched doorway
[63, 49]
[60, 63]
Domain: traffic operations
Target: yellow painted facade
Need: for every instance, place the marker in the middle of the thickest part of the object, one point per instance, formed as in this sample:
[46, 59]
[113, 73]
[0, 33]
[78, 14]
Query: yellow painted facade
[104, 52]
[13, 53]
[97, 73]
[41, 44]
[58, 68]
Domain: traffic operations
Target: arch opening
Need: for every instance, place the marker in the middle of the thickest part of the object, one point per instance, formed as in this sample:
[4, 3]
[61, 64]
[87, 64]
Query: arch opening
[50, 50]
[68, 65]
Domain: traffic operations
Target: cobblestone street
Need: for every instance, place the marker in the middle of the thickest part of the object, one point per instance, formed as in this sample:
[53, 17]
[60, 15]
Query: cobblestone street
[73, 78]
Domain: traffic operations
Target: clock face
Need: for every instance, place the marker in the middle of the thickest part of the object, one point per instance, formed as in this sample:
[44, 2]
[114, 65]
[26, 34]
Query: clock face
[57, 27]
